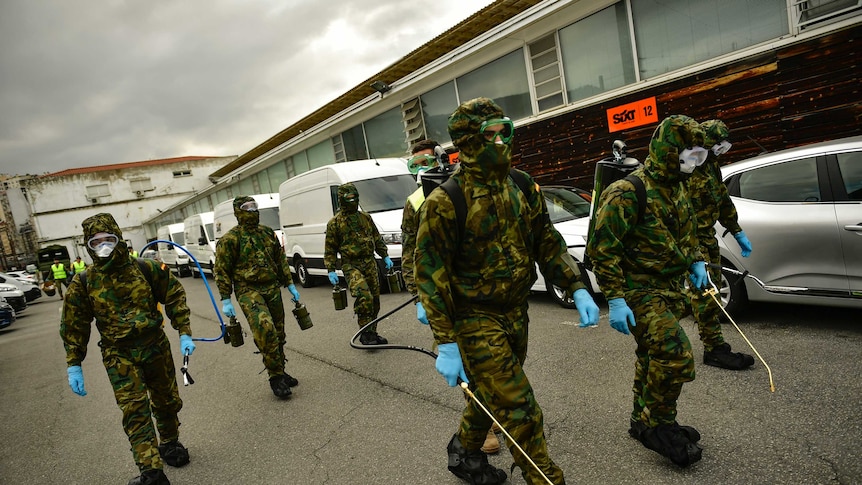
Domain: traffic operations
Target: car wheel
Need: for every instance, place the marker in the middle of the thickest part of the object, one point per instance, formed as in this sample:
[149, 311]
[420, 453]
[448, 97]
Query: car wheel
[302, 275]
[732, 292]
[195, 274]
[559, 295]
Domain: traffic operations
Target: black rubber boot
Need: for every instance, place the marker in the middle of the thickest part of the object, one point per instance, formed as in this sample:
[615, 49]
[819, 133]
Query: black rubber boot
[472, 466]
[280, 387]
[151, 477]
[380, 340]
[721, 356]
[637, 427]
[370, 338]
[670, 441]
[174, 453]
[291, 381]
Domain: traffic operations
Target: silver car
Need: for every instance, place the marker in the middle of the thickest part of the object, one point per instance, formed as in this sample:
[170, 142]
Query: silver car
[801, 209]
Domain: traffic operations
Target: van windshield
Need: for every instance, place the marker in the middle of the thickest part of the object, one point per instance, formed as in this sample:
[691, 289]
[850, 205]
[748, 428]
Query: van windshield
[385, 193]
[178, 238]
[269, 218]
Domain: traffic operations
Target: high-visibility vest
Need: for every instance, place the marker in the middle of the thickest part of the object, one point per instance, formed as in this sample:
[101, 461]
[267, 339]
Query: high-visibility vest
[77, 267]
[133, 253]
[59, 271]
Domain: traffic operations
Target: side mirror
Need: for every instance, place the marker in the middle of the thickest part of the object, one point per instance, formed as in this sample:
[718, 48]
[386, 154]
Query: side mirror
[202, 241]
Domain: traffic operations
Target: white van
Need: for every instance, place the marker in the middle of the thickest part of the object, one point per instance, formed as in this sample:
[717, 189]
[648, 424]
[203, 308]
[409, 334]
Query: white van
[267, 205]
[309, 200]
[200, 241]
[174, 257]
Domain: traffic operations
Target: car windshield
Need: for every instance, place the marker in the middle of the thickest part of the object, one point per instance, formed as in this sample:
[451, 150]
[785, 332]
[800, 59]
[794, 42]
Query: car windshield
[565, 204]
[385, 193]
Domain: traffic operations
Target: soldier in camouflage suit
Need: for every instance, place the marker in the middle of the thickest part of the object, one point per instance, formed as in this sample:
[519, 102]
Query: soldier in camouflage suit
[474, 290]
[641, 266]
[122, 295]
[251, 264]
[353, 234]
[712, 203]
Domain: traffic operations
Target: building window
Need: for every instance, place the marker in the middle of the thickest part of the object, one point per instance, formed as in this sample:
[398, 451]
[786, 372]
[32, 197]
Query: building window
[672, 35]
[141, 185]
[385, 135]
[320, 155]
[814, 11]
[182, 173]
[503, 80]
[354, 143]
[277, 174]
[96, 191]
[547, 78]
[414, 125]
[608, 63]
[437, 105]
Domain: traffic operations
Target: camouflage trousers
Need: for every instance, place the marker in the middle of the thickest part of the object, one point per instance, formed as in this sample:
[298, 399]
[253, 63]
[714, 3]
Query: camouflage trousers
[264, 310]
[364, 284]
[145, 387]
[664, 358]
[706, 312]
[493, 348]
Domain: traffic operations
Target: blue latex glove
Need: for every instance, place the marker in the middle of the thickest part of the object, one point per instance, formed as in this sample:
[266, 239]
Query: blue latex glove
[76, 379]
[186, 344]
[333, 278]
[449, 363]
[587, 308]
[744, 243]
[227, 308]
[420, 313]
[292, 290]
[387, 262]
[698, 275]
[620, 315]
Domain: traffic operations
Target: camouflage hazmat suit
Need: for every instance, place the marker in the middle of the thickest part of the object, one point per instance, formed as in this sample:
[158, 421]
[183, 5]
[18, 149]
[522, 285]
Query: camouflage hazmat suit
[135, 350]
[353, 234]
[646, 262]
[475, 290]
[250, 263]
[711, 203]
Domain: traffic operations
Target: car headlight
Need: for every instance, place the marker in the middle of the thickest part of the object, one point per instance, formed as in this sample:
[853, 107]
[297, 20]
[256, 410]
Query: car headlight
[2, 288]
[391, 237]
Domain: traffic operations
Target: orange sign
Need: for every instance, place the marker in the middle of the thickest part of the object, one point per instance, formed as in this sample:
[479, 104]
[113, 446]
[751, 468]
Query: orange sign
[630, 115]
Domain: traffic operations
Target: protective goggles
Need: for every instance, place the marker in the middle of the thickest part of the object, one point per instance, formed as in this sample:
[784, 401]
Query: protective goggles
[101, 238]
[692, 157]
[721, 148]
[250, 206]
[420, 162]
[500, 127]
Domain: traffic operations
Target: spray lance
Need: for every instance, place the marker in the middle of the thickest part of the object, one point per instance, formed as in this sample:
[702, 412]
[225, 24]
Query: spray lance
[463, 385]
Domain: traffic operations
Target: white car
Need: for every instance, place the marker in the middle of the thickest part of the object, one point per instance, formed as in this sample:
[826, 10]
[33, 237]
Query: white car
[23, 276]
[31, 290]
[13, 297]
[569, 210]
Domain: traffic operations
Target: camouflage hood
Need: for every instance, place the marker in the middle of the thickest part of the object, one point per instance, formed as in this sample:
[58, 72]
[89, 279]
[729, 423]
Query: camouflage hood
[247, 219]
[348, 198]
[673, 135]
[485, 161]
[105, 222]
[714, 132]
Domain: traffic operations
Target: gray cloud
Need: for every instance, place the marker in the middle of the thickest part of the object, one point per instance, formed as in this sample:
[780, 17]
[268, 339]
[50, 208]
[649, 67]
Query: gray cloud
[91, 83]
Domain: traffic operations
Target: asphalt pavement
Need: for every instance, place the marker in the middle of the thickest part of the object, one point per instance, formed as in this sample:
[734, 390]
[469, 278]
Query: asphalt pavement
[385, 417]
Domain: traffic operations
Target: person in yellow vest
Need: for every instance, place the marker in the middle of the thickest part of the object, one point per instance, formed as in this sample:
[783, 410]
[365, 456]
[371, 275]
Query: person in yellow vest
[132, 252]
[58, 274]
[78, 265]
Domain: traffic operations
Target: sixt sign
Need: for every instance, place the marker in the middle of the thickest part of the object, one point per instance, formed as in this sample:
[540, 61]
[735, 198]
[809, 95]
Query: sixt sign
[634, 114]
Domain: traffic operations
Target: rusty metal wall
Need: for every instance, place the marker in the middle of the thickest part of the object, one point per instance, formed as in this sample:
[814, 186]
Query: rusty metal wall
[796, 95]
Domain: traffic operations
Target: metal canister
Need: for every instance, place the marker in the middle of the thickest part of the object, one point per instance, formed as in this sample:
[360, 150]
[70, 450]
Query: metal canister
[339, 297]
[302, 316]
[394, 279]
[234, 330]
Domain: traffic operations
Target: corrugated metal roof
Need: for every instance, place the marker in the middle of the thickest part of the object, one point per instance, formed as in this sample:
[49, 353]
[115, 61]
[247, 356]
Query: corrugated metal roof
[460, 34]
[122, 166]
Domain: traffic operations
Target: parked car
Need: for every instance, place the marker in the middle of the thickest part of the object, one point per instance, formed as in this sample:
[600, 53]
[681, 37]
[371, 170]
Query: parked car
[31, 290]
[569, 210]
[150, 254]
[14, 297]
[7, 314]
[23, 276]
[801, 209]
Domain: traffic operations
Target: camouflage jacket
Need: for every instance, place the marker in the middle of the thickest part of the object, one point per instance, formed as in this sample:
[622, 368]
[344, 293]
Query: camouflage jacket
[354, 236]
[250, 258]
[124, 304]
[506, 232]
[409, 227]
[711, 201]
[654, 253]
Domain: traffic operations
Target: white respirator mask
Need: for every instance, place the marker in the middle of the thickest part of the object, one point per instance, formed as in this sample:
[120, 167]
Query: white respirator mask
[691, 158]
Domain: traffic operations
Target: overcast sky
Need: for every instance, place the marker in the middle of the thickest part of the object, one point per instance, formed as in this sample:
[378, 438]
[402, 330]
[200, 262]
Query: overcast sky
[89, 82]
